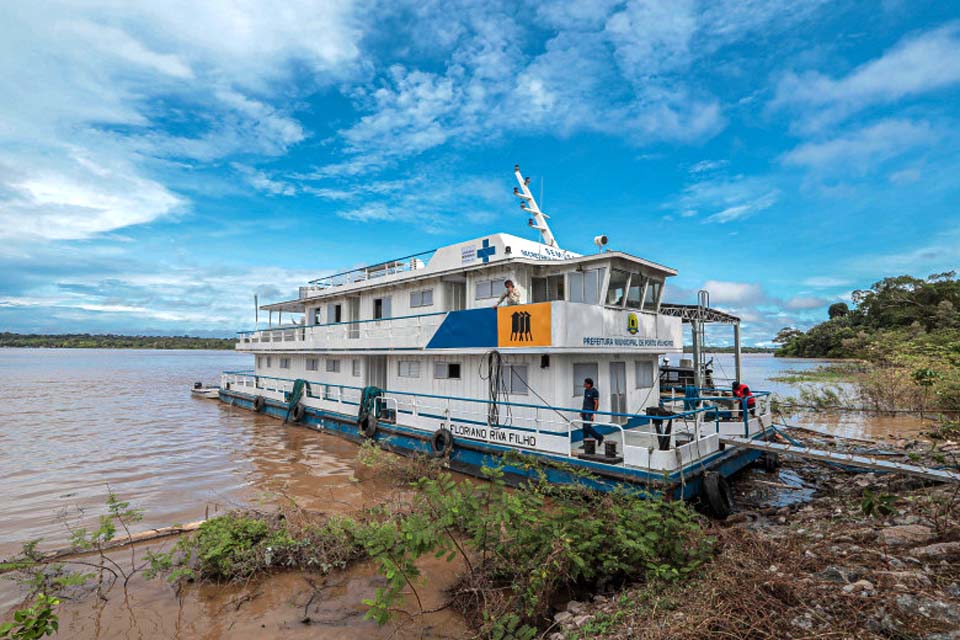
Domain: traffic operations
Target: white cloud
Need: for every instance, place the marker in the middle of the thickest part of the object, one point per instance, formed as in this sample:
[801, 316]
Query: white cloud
[805, 302]
[917, 64]
[827, 281]
[725, 199]
[88, 88]
[735, 293]
[861, 150]
[261, 181]
[708, 165]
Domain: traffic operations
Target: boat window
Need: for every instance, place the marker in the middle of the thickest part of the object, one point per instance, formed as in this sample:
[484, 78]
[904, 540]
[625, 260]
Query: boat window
[334, 313]
[635, 294]
[585, 285]
[617, 290]
[259, 362]
[652, 300]
[422, 298]
[548, 289]
[333, 366]
[514, 379]
[269, 362]
[381, 308]
[644, 374]
[356, 368]
[582, 370]
[488, 288]
[446, 370]
[284, 363]
[408, 369]
[312, 364]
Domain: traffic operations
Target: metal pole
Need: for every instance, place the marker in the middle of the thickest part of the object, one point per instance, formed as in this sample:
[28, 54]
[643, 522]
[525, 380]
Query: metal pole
[737, 357]
[697, 372]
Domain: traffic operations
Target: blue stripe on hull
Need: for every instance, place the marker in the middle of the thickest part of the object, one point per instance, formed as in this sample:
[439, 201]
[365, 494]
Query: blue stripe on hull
[470, 456]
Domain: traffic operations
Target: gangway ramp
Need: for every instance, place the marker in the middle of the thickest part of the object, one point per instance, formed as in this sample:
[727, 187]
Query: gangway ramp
[866, 462]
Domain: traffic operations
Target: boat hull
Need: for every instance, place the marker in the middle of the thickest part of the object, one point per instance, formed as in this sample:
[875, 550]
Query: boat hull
[470, 456]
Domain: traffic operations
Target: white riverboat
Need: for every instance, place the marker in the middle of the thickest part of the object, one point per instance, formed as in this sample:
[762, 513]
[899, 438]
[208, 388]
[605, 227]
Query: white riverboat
[413, 352]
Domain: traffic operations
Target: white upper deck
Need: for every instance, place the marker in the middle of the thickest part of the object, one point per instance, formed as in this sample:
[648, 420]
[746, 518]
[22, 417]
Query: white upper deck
[443, 300]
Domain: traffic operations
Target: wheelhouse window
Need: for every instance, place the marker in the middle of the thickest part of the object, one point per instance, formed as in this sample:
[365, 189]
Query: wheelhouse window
[408, 369]
[548, 289]
[635, 294]
[617, 289]
[312, 364]
[334, 313]
[651, 302]
[333, 366]
[515, 379]
[581, 371]
[585, 285]
[381, 308]
[422, 298]
[446, 370]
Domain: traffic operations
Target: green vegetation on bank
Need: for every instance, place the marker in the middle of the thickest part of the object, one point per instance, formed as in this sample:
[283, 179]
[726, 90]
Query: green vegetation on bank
[519, 552]
[111, 341]
[905, 332]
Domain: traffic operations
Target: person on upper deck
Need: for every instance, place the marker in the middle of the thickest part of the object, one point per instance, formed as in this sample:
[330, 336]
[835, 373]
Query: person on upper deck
[512, 294]
[741, 390]
[591, 402]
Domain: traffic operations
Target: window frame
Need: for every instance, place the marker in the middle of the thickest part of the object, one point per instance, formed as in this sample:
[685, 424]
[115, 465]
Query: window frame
[313, 364]
[408, 369]
[508, 379]
[417, 298]
[447, 370]
[578, 379]
[332, 365]
[636, 374]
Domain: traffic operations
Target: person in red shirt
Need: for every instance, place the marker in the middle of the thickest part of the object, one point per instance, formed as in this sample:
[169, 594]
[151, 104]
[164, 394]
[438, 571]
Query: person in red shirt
[743, 391]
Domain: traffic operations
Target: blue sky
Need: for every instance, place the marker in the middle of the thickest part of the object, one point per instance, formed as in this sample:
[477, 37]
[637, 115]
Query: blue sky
[160, 162]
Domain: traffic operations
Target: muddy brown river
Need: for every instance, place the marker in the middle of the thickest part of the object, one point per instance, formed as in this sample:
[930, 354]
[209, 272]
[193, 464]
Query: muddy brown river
[74, 423]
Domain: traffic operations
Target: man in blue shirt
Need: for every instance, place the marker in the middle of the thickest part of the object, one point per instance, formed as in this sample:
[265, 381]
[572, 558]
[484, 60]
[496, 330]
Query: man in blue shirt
[591, 402]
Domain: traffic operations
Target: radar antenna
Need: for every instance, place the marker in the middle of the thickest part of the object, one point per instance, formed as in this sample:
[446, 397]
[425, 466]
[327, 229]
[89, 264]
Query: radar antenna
[529, 204]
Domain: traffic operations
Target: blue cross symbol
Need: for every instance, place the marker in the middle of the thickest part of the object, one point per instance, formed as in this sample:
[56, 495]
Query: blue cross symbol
[486, 251]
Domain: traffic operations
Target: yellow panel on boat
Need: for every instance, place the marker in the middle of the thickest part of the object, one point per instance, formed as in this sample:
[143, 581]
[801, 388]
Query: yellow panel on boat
[524, 325]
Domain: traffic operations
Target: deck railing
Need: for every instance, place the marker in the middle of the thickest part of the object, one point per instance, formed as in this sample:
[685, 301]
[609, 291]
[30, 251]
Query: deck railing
[410, 331]
[539, 420]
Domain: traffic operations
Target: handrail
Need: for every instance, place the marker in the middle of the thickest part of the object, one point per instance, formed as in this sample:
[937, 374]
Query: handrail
[442, 397]
[344, 323]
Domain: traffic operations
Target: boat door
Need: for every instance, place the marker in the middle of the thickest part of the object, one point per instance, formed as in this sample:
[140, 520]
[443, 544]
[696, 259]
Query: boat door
[377, 371]
[618, 390]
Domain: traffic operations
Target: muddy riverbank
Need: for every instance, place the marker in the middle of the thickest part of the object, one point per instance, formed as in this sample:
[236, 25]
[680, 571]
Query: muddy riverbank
[80, 423]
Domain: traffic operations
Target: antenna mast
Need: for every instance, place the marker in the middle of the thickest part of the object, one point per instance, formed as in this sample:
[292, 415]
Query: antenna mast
[529, 204]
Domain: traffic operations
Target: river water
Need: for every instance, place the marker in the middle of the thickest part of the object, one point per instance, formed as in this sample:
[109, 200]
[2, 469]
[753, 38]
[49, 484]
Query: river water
[77, 423]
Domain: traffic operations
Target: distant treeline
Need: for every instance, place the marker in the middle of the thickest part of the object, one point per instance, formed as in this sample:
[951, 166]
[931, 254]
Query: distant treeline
[111, 341]
[712, 349]
[894, 315]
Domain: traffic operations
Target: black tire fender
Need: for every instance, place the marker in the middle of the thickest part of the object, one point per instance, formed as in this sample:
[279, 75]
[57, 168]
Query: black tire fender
[259, 404]
[441, 443]
[770, 461]
[368, 427]
[298, 412]
[717, 495]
